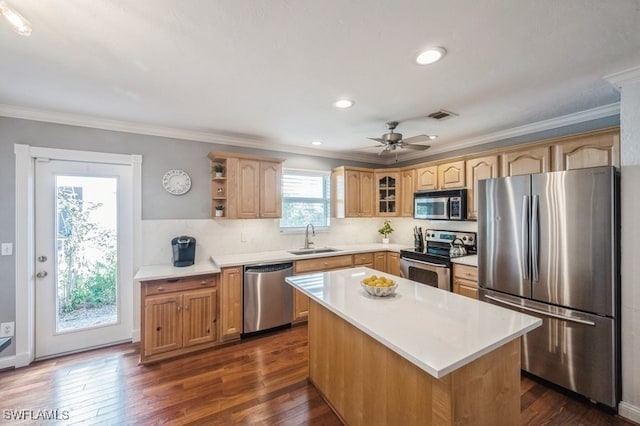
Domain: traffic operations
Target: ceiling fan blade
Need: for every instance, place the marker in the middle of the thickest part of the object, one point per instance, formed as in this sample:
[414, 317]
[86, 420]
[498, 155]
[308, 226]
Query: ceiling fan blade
[416, 139]
[417, 147]
[382, 141]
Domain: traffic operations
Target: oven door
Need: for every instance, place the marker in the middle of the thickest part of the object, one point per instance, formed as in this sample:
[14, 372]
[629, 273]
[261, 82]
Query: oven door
[431, 207]
[433, 274]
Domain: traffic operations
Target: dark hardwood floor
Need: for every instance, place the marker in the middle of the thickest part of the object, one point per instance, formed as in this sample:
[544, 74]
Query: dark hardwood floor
[258, 381]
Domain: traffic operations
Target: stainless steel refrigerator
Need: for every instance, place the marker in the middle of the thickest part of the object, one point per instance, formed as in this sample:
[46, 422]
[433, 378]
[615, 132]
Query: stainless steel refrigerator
[548, 246]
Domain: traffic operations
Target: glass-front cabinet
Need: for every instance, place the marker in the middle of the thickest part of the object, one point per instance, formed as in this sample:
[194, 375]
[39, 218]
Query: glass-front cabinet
[388, 196]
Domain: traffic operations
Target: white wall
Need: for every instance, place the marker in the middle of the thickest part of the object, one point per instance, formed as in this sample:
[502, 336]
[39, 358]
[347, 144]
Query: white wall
[629, 83]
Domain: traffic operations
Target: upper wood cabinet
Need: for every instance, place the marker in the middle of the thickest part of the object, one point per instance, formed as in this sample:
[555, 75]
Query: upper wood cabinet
[451, 175]
[250, 187]
[526, 161]
[441, 176]
[592, 150]
[353, 190]
[426, 178]
[407, 188]
[478, 169]
[388, 192]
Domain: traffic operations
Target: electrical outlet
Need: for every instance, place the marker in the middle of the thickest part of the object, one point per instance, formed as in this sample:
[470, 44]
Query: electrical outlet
[7, 249]
[7, 329]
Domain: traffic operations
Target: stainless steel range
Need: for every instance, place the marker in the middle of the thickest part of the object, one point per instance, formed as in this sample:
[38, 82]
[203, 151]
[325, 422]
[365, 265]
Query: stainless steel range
[432, 265]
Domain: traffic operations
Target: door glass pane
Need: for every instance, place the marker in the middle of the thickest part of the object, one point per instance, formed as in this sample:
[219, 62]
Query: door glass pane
[86, 252]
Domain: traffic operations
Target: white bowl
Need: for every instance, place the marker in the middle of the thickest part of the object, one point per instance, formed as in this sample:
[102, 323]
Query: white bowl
[380, 291]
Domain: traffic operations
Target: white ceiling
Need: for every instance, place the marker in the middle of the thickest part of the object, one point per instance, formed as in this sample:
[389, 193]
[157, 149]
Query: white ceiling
[265, 73]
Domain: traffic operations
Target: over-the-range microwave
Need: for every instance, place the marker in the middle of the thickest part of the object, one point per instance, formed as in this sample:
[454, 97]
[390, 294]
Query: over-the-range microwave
[440, 205]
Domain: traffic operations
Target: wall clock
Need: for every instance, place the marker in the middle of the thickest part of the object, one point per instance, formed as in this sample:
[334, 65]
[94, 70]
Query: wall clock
[176, 182]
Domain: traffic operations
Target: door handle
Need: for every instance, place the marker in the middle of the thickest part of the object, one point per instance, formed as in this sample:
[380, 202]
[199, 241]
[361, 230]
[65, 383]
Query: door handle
[42, 274]
[524, 243]
[535, 248]
[541, 312]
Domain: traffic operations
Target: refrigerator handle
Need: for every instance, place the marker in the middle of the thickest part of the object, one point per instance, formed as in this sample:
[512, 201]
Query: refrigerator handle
[535, 248]
[524, 243]
[541, 312]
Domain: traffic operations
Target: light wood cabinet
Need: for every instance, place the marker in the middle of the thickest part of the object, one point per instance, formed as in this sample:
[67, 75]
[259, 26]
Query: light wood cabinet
[593, 150]
[364, 259]
[393, 263]
[250, 187]
[478, 169]
[353, 190]
[178, 316]
[380, 261]
[526, 161]
[231, 303]
[388, 192]
[407, 188]
[305, 266]
[451, 175]
[465, 280]
[426, 178]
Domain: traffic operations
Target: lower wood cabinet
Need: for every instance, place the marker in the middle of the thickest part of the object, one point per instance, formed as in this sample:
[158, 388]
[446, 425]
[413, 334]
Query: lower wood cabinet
[364, 259]
[465, 280]
[393, 263]
[231, 303]
[179, 316]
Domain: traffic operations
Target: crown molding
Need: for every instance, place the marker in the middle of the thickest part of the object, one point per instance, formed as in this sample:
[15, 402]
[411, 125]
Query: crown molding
[174, 133]
[264, 144]
[619, 79]
[540, 126]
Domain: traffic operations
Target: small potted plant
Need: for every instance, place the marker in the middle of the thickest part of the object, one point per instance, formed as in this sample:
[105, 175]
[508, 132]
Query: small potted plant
[219, 210]
[218, 169]
[385, 231]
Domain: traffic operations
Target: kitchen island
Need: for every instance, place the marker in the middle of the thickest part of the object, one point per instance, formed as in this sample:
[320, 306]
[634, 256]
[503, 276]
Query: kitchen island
[422, 356]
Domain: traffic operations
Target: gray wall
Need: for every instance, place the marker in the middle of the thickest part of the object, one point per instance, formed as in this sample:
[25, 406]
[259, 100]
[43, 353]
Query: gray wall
[159, 155]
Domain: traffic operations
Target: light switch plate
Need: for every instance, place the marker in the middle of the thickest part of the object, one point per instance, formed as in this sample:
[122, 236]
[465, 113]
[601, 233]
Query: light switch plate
[7, 249]
[7, 329]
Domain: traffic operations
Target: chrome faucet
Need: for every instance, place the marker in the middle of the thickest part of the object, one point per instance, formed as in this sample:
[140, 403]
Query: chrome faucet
[307, 243]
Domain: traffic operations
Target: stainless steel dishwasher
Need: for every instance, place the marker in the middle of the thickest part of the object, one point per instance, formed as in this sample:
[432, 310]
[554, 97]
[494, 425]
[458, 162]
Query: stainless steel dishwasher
[267, 298]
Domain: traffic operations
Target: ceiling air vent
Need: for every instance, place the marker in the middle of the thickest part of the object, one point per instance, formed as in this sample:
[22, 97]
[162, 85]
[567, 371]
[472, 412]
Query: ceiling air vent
[442, 115]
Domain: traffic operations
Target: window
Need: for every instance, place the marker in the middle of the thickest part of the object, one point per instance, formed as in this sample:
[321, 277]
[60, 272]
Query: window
[305, 199]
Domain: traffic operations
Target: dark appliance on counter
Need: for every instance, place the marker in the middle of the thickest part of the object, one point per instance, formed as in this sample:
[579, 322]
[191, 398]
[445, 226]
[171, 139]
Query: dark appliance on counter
[432, 266]
[440, 205]
[184, 250]
[549, 248]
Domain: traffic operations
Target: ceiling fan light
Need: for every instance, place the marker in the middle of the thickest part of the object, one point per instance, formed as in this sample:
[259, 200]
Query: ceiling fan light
[344, 103]
[18, 23]
[431, 55]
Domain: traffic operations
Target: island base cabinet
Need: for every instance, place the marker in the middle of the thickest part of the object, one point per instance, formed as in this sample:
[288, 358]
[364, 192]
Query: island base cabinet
[366, 383]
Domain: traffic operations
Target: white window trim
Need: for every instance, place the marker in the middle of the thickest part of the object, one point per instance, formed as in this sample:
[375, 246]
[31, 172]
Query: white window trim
[24, 238]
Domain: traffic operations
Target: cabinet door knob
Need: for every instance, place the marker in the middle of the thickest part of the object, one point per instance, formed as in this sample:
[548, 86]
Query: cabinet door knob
[160, 288]
[158, 328]
[204, 282]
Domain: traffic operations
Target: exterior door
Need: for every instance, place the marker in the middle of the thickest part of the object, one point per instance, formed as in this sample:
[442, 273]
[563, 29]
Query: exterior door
[84, 251]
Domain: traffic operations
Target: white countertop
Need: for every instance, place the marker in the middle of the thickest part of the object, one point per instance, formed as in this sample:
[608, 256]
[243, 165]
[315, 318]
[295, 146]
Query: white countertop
[159, 272]
[436, 330]
[284, 255]
[471, 260]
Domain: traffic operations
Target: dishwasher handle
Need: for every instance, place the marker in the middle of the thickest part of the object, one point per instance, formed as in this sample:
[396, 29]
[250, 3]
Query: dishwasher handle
[275, 267]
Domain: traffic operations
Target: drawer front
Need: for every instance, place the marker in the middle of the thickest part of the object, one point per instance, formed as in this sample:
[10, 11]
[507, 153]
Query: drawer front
[170, 285]
[465, 272]
[362, 259]
[323, 264]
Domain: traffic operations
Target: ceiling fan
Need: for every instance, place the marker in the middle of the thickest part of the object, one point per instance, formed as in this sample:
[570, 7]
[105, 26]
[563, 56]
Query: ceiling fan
[392, 140]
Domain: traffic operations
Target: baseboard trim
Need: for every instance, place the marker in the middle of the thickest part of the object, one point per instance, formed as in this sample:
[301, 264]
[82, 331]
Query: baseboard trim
[7, 362]
[628, 411]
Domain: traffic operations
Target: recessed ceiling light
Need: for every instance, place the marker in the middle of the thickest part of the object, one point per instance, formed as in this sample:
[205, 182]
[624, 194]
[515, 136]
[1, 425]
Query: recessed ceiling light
[316, 143]
[344, 103]
[432, 137]
[18, 23]
[431, 55]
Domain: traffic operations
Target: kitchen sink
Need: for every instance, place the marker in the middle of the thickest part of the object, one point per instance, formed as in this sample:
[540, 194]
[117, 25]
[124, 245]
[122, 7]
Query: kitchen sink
[301, 252]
